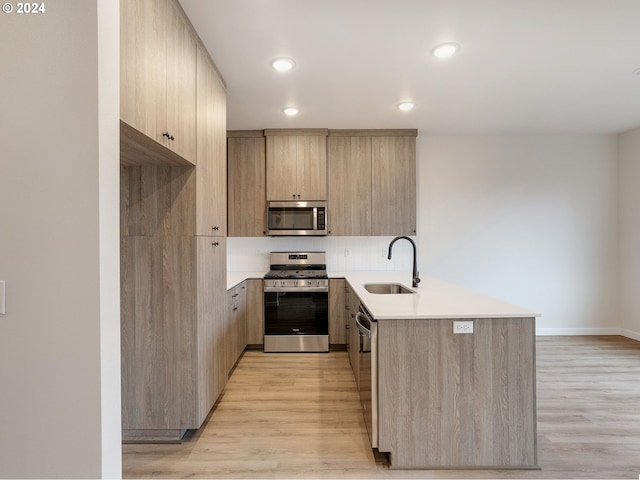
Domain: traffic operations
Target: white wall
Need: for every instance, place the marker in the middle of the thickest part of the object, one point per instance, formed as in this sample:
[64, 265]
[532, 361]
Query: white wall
[59, 341]
[629, 158]
[531, 220]
[527, 219]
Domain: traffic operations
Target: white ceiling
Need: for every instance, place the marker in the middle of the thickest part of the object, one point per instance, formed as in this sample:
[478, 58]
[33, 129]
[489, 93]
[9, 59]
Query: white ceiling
[525, 66]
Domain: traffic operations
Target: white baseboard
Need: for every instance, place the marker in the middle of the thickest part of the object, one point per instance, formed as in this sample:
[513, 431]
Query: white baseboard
[589, 331]
[630, 334]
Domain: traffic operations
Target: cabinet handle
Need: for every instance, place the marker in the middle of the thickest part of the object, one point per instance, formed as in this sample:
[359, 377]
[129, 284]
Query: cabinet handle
[235, 308]
[170, 137]
[215, 244]
[298, 195]
[294, 195]
[215, 228]
[234, 295]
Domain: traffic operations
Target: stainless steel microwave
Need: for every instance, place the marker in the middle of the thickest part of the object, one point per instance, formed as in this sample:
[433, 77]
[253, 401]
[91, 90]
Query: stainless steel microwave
[296, 218]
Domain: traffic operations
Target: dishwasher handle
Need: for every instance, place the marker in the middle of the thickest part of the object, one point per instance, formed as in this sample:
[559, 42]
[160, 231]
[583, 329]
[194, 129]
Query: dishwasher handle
[365, 331]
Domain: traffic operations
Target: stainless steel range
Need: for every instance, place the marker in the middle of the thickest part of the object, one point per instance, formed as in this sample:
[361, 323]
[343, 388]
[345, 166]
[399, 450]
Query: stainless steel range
[296, 303]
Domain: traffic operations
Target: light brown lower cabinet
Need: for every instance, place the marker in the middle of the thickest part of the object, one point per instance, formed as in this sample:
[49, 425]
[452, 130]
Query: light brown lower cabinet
[337, 311]
[235, 325]
[255, 311]
[457, 400]
[352, 303]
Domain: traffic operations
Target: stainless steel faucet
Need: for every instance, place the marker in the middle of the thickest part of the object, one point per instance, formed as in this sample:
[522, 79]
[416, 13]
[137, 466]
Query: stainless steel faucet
[416, 276]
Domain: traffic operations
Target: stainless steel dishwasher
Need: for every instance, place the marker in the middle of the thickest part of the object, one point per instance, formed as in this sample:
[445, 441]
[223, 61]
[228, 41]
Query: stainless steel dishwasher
[368, 353]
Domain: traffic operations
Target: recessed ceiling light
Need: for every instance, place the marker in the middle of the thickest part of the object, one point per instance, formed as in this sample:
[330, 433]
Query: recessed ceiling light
[445, 50]
[283, 64]
[406, 106]
[291, 111]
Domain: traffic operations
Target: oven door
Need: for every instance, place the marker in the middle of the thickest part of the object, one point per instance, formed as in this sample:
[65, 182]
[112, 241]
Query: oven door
[296, 320]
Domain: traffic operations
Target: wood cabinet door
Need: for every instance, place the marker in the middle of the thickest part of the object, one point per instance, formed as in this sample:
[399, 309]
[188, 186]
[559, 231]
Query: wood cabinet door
[354, 337]
[255, 312]
[211, 170]
[349, 191]
[181, 86]
[393, 185]
[281, 171]
[241, 321]
[143, 66]
[235, 329]
[311, 171]
[246, 186]
[210, 295]
[337, 311]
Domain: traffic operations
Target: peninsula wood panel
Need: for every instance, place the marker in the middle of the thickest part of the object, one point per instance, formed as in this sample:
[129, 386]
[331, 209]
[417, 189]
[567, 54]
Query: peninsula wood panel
[349, 191]
[449, 401]
[246, 185]
[211, 181]
[337, 311]
[393, 185]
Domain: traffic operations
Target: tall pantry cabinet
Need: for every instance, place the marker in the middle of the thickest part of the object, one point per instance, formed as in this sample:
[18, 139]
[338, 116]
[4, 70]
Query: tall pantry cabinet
[173, 223]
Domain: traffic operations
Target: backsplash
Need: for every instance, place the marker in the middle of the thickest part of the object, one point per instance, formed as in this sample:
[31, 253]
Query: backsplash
[343, 253]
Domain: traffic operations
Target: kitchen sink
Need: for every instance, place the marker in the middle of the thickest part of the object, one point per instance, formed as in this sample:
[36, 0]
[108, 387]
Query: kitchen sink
[387, 288]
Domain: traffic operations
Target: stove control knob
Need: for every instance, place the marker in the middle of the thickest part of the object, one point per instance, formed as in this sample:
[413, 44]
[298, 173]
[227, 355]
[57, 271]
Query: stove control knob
[309, 282]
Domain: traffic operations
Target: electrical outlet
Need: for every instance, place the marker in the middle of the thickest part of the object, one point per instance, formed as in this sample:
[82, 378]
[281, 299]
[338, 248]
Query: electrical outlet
[347, 252]
[463, 326]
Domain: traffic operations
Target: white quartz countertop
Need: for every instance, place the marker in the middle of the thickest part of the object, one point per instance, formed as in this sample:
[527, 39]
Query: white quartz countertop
[433, 299]
[235, 278]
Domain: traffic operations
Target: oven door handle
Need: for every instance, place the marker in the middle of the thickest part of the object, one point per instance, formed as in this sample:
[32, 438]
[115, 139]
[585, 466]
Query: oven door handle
[296, 289]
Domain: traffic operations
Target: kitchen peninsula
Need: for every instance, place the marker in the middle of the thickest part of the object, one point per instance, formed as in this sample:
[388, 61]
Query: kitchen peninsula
[448, 400]
[456, 375]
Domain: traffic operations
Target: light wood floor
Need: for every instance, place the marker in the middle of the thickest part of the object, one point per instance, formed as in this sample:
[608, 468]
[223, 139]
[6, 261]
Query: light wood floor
[298, 415]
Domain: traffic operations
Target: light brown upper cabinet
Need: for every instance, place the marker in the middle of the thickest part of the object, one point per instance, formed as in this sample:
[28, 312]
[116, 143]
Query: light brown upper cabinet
[296, 164]
[211, 178]
[246, 183]
[349, 199]
[158, 77]
[393, 185]
[372, 188]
